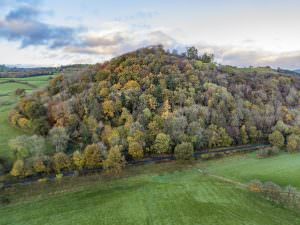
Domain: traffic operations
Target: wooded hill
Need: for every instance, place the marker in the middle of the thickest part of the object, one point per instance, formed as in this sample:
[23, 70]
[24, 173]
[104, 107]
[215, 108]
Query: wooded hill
[151, 101]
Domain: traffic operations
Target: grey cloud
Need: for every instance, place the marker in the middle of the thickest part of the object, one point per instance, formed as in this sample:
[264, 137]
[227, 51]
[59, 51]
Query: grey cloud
[120, 42]
[236, 56]
[106, 40]
[23, 13]
[22, 25]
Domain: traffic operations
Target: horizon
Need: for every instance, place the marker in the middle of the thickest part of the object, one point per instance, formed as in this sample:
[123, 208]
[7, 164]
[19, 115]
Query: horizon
[243, 34]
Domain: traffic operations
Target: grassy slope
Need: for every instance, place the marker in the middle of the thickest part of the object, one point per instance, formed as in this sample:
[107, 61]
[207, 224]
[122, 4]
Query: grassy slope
[7, 102]
[174, 197]
[283, 169]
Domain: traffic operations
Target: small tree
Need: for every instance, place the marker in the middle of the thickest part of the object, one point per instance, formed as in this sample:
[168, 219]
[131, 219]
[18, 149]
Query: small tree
[253, 134]
[244, 135]
[207, 58]
[293, 143]
[161, 143]
[39, 165]
[78, 160]
[61, 161]
[18, 169]
[59, 138]
[115, 162]
[135, 149]
[93, 156]
[255, 186]
[37, 145]
[184, 151]
[192, 53]
[276, 139]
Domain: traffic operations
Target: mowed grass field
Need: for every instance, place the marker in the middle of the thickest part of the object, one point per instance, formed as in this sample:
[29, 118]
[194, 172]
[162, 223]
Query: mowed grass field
[8, 101]
[283, 169]
[158, 194]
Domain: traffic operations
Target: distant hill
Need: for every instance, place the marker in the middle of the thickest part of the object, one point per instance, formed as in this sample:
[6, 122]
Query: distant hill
[288, 72]
[297, 71]
[20, 72]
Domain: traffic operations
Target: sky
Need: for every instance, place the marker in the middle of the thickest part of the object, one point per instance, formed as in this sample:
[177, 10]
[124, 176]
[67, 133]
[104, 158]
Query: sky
[237, 32]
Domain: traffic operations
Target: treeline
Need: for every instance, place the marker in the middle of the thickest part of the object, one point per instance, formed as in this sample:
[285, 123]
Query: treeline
[16, 72]
[287, 196]
[151, 102]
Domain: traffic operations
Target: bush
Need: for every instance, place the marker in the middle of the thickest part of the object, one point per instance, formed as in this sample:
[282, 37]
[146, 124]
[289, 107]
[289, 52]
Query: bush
[78, 160]
[59, 176]
[276, 139]
[184, 151]
[43, 180]
[293, 143]
[255, 186]
[115, 162]
[93, 156]
[208, 156]
[267, 152]
[61, 161]
[135, 149]
[272, 191]
[275, 193]
[161, 143]
[18, 169]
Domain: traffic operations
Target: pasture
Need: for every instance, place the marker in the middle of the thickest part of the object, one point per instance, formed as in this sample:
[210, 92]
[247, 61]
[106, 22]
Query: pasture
[282, 169]
[156, 194]
[8, 99]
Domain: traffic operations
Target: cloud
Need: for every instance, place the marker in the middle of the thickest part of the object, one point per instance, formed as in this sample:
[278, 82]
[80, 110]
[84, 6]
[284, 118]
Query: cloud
[140, 15]
[20, 2]
[22, 25]
[243, 57]
[116, 43]
[24, 13]
[107, 40]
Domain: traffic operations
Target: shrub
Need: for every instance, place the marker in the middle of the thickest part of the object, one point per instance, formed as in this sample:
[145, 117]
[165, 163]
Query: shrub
[184, 151]
[161, 143]
[59, 176]
[43, 180]
[135, 149]
[205, 156]
[272, 191]
[255, 186]
[276, 139]
[61, 161]
[18, 169]
[39, 165]
[115, 162]
[93, 156]
[78, 160]
[208, 156]
[293, 143]
[267, 152]
[59, 138]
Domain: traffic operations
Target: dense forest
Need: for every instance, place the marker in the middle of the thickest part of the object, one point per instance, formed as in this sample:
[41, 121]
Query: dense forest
[153, 102]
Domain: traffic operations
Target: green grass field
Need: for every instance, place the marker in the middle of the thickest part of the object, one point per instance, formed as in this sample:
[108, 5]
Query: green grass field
[158, 194]
[8, 101]
[283, 169]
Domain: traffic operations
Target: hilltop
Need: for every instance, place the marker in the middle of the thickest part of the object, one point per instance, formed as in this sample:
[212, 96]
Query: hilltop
[153, 102]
